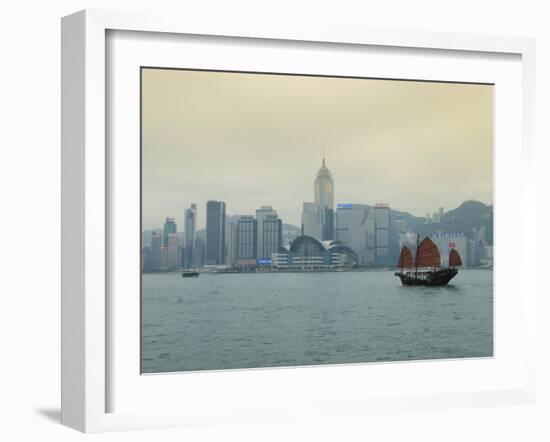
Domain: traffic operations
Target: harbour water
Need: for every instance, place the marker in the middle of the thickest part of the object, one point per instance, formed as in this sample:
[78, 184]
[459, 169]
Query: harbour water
[291, 319]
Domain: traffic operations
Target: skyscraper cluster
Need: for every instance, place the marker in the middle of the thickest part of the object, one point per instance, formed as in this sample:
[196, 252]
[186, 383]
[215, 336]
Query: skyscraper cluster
[363, 228]
[254, 239]
[238, 240]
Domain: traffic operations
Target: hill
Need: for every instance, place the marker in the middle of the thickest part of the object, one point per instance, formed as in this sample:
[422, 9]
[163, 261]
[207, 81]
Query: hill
[469, 215]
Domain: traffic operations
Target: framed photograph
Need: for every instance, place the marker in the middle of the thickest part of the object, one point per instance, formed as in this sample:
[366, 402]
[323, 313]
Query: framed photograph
[269, 223]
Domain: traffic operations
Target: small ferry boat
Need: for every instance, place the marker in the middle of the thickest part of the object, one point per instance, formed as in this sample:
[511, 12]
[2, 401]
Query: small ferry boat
[190, 274]
[426, 268]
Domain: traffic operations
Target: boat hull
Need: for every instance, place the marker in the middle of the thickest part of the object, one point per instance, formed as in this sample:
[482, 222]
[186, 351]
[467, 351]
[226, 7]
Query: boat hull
[431, 279]
[190, 274]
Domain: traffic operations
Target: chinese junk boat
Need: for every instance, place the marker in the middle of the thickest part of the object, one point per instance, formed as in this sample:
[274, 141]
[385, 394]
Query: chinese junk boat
[426, 268]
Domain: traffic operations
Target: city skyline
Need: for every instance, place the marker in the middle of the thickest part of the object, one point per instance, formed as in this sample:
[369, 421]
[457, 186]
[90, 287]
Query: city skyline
[256, 139]
[345, 236]
[372, 237]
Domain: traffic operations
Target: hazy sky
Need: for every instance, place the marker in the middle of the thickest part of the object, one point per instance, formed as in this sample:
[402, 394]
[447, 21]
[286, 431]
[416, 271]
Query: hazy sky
[255, 139]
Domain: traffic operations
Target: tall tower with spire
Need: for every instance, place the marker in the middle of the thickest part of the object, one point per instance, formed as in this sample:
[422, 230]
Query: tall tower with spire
[324, 188]
[324, 199]
[318, 217]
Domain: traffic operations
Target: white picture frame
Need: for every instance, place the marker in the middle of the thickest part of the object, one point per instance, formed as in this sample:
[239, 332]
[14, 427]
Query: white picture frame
[86, 205]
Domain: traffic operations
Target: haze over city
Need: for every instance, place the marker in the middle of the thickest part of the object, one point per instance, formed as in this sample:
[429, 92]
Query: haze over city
[254, 139]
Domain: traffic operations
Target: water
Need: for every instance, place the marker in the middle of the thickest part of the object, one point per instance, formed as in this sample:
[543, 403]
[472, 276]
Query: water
[287, 319]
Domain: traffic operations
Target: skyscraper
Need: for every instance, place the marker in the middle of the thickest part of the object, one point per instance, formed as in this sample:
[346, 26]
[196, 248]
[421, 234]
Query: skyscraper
[172, 251]
[232, 241]
[199, 252]
[311, 220]
[371, 237]
[146, 259]
[169, 227]
[351, 228]
[190, 230]
[156, 243]
[476, 245]
[382, 226]
[261, 214]
[215, 232]
[272, 236]
[163, 258]
[318, 217]
[247, 237]
[324, 198]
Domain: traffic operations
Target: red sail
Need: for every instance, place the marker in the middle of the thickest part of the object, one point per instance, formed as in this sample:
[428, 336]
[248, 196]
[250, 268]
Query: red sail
[427, 254]
[454, 258]
[405, 259]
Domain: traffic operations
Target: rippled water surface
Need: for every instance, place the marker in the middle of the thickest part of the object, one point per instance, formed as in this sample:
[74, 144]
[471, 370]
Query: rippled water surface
[268, 320]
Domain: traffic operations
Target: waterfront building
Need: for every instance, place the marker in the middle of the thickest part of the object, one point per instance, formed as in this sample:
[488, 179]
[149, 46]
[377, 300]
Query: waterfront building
[487, 256]
[371, 237]
[232, 239]
[190, 216]
[476, 247]
[266, 217]
[183, 256]
[146, 259]
[311, 254]
[199, 252]
[169, 227]
[163, 258]
[215, 232]
[247, 236]
[272, 236]
[351, 228]
[472, 261]
[156, 244]
[324, 198]
[227, 234]
[382, 227]
[173, 252]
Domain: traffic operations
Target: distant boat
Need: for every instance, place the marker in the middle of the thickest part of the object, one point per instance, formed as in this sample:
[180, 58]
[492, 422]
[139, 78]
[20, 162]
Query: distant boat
[190, 274]
[426, 268]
